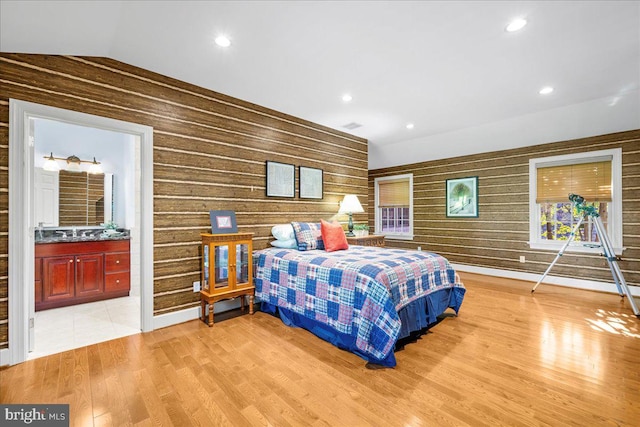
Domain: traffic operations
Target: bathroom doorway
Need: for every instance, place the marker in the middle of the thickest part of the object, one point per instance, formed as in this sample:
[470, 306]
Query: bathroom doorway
[72, 203]
[23, 116]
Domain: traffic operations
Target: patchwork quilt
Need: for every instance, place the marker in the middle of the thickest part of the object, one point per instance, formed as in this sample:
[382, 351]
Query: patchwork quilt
[357, 292]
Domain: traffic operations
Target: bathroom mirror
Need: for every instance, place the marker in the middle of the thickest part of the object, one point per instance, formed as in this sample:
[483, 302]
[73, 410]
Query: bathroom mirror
[81, 199]
[67, 198]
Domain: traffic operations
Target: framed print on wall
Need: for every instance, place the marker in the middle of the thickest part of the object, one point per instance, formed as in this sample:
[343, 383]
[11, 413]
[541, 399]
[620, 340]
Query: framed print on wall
[310, 183]
[223, 222]
[462, 197]
[281, 179]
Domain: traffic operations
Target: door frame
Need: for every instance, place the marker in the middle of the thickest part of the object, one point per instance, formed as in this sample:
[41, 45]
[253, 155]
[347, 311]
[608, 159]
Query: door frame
[21, 205]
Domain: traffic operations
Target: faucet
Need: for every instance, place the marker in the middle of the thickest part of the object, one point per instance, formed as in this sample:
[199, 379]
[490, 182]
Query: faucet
[40, 224]
[64, 234]
[74, 232]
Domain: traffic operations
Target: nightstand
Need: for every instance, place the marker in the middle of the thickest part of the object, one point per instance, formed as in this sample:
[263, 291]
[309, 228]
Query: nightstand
[370, 240]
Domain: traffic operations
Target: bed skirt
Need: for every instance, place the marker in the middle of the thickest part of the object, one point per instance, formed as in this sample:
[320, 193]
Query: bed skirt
[418, 315]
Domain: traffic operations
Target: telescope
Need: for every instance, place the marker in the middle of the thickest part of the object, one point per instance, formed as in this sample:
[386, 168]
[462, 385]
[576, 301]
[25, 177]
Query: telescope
[605, 244]
[586, 210]
[576, 199]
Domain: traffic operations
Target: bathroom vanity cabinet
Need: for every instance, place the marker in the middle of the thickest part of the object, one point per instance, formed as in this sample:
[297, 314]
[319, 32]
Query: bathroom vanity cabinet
[68, 273]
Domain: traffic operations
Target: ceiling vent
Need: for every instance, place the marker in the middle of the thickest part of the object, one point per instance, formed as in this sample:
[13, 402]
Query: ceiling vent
[352, 126]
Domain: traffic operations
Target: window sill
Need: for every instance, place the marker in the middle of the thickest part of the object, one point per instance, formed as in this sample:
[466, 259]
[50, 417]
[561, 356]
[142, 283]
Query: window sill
[396, 236]
[571, 248]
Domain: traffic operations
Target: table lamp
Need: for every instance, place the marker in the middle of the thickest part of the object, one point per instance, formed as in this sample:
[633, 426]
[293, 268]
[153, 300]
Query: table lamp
[350, 205]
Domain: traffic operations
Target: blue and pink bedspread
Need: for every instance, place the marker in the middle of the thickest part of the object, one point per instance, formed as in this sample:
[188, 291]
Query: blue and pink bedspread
[358, 293]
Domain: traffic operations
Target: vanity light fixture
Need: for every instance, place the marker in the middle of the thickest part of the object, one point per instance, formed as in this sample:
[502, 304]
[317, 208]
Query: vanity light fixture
[347, 97]
[410, 126]
[95, 167]
[73, 164]
[50, 164]
[546, 90]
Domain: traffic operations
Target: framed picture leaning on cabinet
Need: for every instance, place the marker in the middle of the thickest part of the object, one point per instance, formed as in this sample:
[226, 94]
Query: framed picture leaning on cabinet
[223, 222]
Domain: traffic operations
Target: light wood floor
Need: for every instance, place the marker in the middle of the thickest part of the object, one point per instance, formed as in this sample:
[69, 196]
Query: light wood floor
[560, 357]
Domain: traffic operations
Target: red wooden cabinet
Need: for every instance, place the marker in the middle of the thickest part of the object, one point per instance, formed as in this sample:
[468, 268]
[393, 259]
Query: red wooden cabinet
[89, 274]
[117, 271]
[59, 278]
[77, 272]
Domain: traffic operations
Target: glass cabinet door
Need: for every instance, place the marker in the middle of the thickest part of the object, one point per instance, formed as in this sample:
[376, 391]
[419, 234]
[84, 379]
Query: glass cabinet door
[205, 267]
[242, 263]
[221, 266]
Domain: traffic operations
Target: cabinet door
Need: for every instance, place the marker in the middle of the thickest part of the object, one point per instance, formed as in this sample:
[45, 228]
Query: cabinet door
[89, 275]
[221, 257]
[58, 278]
[242, 260]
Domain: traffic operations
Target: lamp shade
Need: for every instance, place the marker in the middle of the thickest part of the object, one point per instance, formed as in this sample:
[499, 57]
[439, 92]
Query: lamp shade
[73, 163]
[95, 167]
[50, 164]
[350, 204]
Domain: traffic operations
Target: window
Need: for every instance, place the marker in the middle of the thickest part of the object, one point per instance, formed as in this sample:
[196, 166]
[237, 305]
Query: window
[394, 206]
[597, 177]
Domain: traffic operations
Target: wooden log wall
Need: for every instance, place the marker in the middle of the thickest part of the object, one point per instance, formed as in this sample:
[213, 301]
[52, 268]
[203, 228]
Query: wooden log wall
[499, 236]
[209, 153]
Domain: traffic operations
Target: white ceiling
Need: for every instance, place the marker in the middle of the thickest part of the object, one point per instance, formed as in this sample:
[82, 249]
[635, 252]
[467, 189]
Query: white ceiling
[443, 66]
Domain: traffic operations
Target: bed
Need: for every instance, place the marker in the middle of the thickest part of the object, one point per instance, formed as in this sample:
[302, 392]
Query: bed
[362, 299]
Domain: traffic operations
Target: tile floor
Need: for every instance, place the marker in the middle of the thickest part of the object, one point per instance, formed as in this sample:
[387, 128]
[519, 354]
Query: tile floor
[62, 329]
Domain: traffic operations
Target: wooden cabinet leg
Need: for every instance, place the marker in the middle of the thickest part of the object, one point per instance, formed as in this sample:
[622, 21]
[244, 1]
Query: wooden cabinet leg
[242, 303]
[203, 306]
[210, 314]
[251, 297]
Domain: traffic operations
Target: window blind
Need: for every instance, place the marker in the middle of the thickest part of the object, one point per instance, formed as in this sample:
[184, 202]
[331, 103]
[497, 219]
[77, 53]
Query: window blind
[589, 180]
[393, 193]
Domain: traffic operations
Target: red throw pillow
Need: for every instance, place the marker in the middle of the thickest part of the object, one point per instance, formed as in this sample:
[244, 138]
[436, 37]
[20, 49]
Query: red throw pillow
[333, 236]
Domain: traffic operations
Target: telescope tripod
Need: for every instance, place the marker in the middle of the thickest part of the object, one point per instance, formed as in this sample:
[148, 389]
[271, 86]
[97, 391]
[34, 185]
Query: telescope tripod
[608, 253]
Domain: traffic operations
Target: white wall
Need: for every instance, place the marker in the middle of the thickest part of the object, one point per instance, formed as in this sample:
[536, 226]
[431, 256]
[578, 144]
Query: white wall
[114, 150]
[596, 117]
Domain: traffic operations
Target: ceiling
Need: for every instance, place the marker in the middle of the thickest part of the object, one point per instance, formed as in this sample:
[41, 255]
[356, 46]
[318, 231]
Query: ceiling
[442, 66]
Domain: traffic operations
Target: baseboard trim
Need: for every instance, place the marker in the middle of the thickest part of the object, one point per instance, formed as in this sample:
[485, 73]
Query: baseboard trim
[4, 357]
[590, 285]
[176, 317]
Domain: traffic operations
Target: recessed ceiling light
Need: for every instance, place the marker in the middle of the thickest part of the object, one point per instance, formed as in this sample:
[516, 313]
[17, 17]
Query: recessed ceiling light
[546, 90]
[223, 41]
[409, 125]
[346, 97]
[516, 24]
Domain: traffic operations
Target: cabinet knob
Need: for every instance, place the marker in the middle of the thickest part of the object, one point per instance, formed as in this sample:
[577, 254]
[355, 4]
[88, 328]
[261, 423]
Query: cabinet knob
[117, 261]
[118, 281]
[70, 260]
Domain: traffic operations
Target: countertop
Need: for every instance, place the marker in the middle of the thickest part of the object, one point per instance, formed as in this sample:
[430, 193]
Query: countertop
[68, 239]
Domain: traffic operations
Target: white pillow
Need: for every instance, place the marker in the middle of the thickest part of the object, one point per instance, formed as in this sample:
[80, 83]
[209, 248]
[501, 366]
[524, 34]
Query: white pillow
[283, 232]
[285, 244]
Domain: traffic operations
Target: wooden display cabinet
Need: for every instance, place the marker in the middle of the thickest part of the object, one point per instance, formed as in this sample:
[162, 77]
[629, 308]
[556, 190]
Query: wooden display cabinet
[227, 270]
